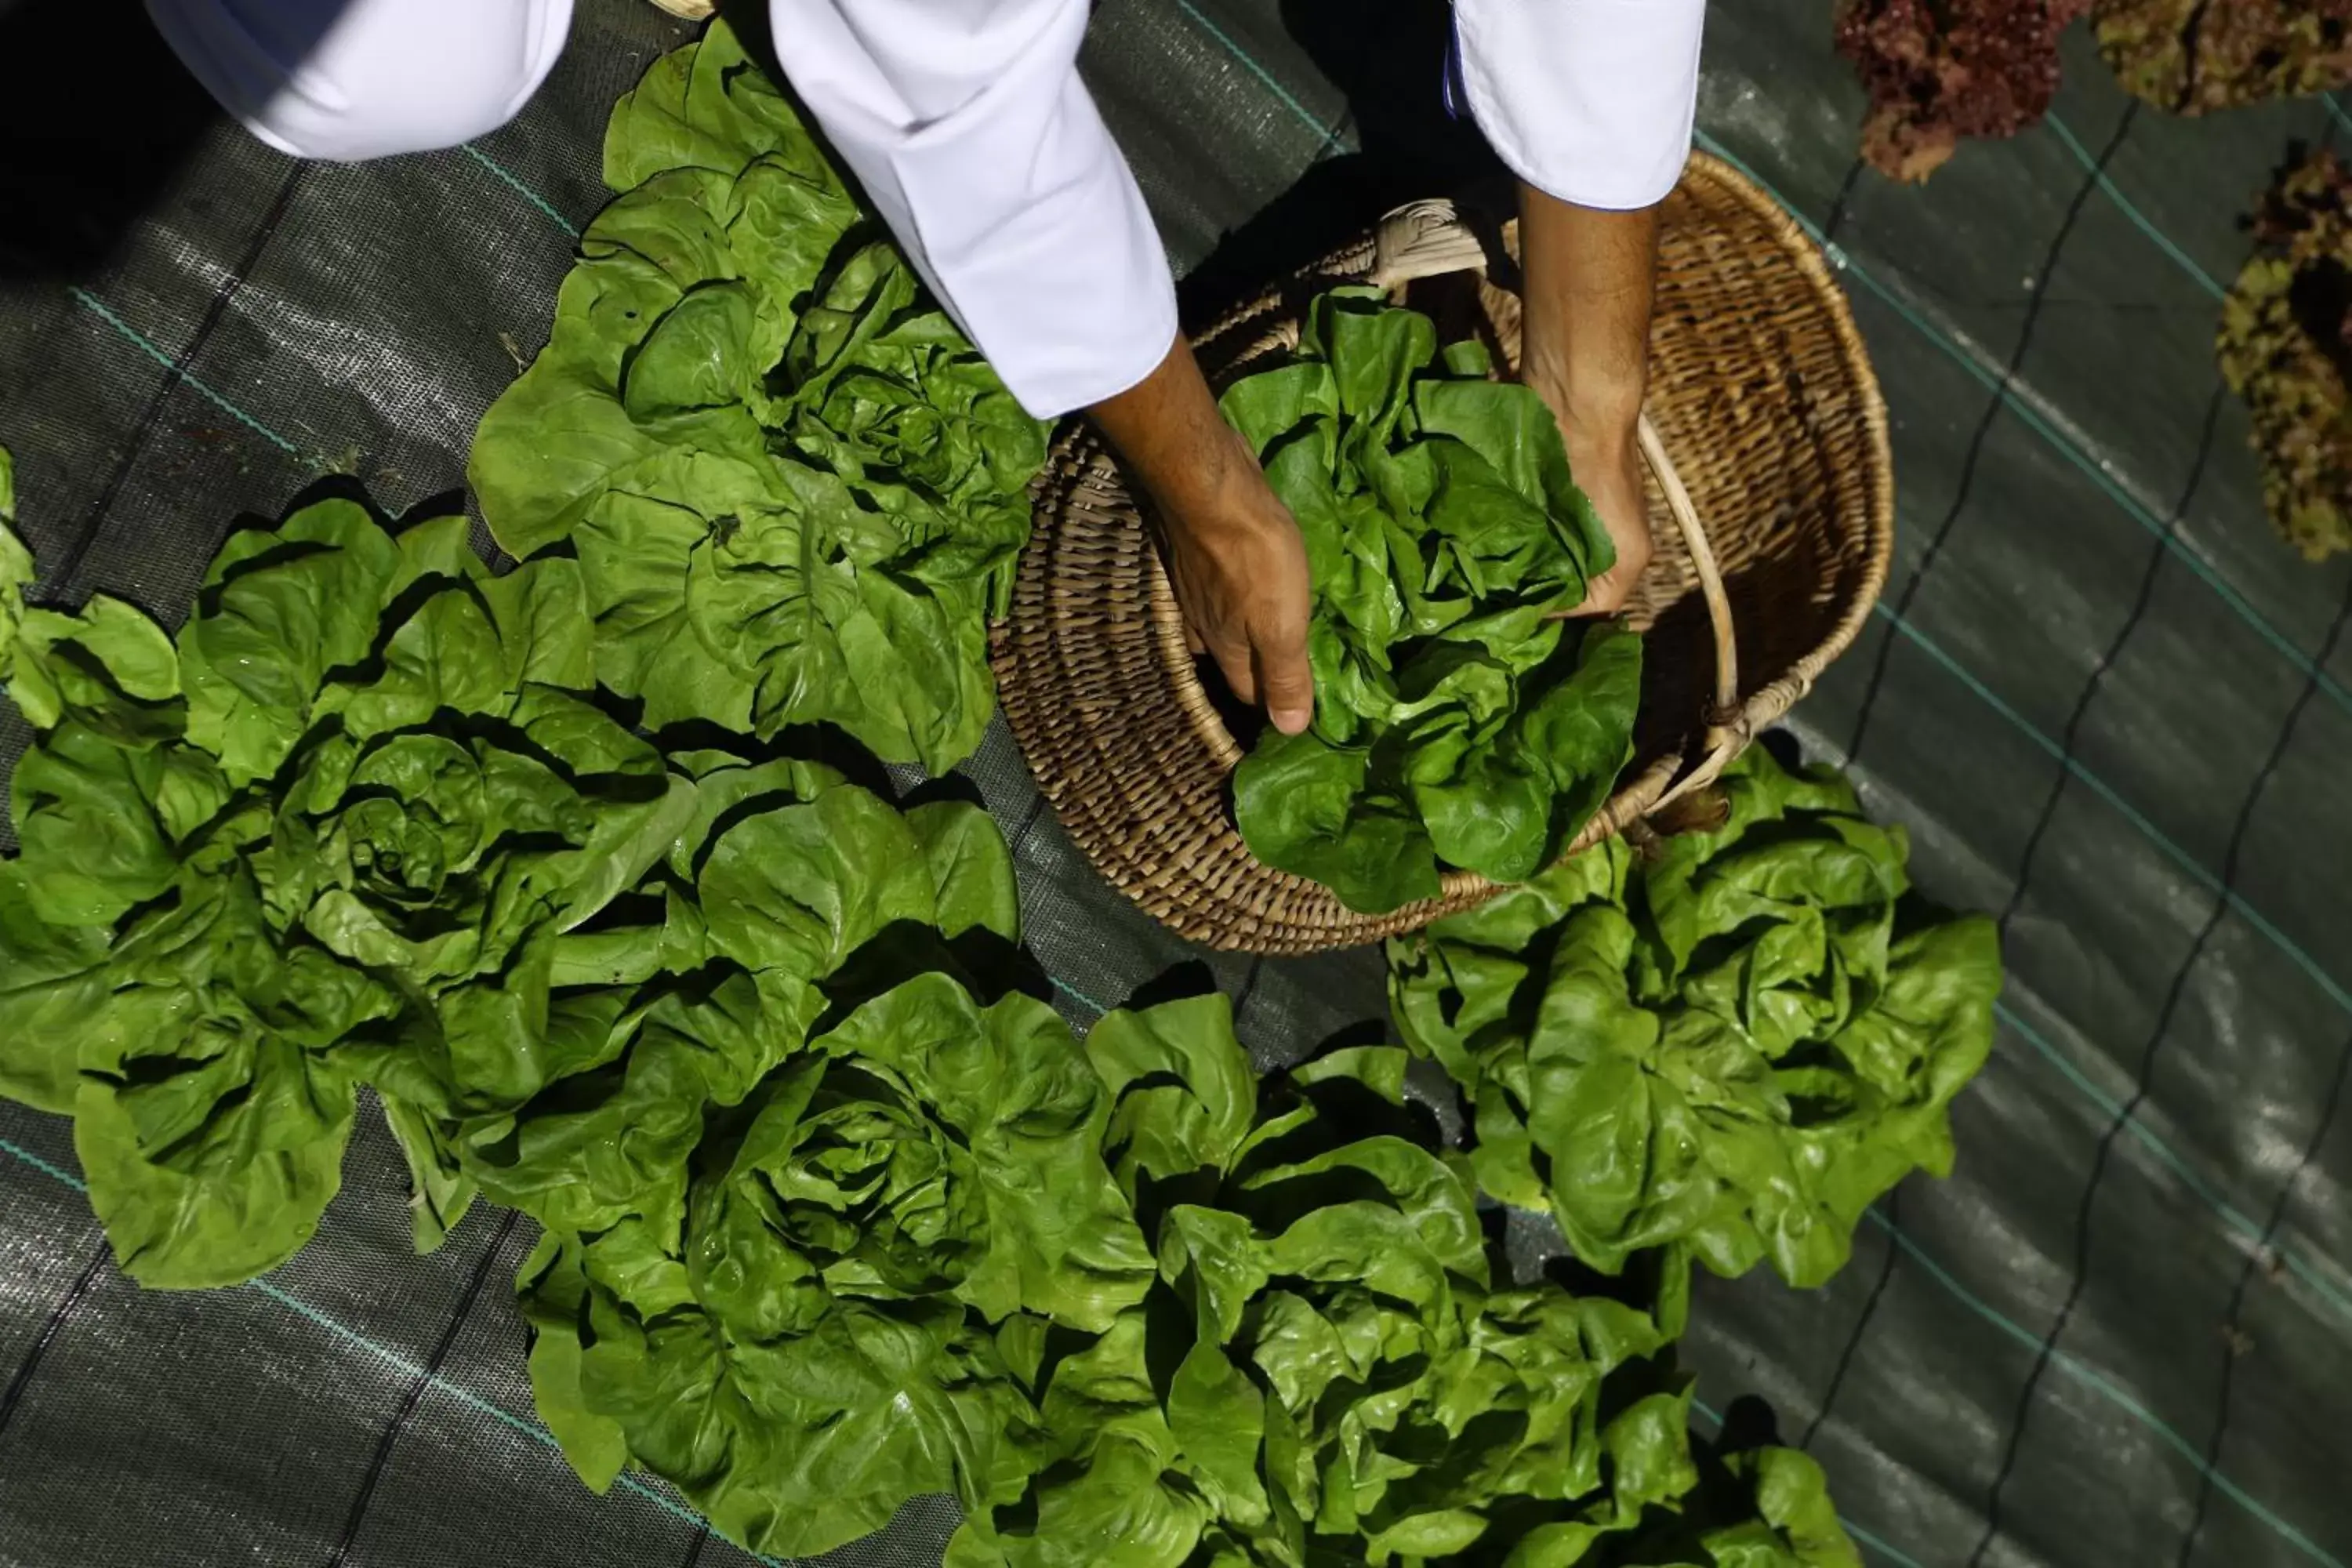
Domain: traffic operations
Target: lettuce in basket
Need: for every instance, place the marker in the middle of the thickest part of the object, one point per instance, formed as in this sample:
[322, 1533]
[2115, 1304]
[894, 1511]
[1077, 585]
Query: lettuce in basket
[1460, 720]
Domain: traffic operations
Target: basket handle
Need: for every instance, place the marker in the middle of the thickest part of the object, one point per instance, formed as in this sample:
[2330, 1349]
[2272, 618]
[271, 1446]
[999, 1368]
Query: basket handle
[1427, 238]
[1724, 738]
[1423, 239]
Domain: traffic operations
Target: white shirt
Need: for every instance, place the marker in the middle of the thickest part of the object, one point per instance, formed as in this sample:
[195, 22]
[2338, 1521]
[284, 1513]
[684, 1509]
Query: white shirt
[968, 125]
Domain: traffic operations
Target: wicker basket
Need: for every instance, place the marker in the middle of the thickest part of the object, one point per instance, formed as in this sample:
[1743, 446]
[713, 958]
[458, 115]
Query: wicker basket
[1759, 388]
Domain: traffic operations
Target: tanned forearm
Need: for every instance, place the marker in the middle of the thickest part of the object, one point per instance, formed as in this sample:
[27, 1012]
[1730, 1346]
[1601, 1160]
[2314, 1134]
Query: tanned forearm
[1170, 436]
[1591, 278]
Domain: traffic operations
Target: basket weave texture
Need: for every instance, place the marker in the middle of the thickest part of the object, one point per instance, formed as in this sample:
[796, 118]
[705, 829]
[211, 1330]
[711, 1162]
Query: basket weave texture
[1760, 393]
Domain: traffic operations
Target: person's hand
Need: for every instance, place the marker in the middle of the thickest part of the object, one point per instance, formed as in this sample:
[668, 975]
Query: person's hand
[1233, 551]
[1239, 568]
[1585, 348]
[1607, 465]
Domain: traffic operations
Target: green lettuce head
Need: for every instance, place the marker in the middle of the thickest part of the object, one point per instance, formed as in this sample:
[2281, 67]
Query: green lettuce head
[794, 490]
[339, 831]
[828, 1163]
[1736, 1043]
[813, 1346]
[1329, 1370]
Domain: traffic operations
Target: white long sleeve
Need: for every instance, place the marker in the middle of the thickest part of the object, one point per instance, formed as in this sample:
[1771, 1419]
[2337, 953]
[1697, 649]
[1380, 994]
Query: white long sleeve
[968, 125]
[1588, 100]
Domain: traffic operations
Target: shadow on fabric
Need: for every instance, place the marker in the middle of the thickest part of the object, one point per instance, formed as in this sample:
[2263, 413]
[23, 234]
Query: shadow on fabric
[1388, 56]
[96, 120]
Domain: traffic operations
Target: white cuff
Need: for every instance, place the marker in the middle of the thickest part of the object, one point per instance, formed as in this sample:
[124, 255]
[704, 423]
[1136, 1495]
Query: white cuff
[1004, 189]
[1061, 281]
[1588, 100]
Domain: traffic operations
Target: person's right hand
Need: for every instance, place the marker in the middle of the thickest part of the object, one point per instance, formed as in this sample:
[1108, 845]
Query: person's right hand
[1232, 550]
[1239, 569]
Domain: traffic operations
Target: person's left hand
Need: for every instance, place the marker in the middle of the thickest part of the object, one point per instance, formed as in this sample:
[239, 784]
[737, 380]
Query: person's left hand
[1585, 343]
[1609, 470]
[1604, 459]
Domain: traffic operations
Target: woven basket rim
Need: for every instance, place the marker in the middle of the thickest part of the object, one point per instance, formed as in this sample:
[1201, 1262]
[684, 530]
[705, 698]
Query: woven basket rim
[1144, 843]
[1762, 708]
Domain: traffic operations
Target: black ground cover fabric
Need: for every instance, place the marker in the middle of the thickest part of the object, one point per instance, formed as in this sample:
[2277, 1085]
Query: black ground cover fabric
[2110, 706]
